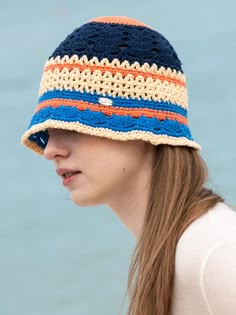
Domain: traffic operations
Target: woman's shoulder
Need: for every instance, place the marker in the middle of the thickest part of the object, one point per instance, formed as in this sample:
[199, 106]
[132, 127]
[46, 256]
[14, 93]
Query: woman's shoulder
[217, 224]
[218, 271]
[205, 261]
[203, 236]
[222, 218]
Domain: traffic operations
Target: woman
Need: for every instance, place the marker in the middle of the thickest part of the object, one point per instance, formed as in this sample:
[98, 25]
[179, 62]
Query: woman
[112, 116]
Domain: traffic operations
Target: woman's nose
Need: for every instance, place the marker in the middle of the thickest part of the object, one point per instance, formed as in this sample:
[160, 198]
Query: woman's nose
[55, 148]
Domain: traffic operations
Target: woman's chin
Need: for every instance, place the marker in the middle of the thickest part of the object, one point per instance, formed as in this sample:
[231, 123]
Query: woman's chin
[82, 201]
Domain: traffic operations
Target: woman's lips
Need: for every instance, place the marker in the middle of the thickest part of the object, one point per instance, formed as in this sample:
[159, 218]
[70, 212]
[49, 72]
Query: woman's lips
[68, 179]
[67, 175]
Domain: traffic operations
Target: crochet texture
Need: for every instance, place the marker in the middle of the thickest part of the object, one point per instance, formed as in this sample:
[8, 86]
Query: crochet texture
[113, 77]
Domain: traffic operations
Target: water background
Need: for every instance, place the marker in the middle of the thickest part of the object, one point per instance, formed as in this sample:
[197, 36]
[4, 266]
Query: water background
[60, 259]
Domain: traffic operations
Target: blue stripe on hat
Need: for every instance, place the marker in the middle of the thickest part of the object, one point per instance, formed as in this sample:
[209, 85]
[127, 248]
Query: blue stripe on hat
[116, 101]
[99, 120]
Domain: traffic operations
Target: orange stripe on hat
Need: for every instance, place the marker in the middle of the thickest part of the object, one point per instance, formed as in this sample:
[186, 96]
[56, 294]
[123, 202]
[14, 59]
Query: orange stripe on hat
[133, 112]
[119, 20]
[124, 72]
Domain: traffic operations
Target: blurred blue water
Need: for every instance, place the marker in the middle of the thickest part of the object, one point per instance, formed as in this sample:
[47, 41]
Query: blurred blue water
[59, 259]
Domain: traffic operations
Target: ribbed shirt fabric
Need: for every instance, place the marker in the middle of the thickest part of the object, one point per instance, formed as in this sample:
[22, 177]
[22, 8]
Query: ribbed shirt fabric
[205, 265]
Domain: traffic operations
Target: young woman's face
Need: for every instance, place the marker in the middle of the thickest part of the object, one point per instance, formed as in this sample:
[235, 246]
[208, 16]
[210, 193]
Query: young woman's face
[108, 168]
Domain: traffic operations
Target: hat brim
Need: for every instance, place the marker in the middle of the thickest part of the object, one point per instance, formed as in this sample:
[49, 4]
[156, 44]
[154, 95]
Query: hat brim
[112, 127]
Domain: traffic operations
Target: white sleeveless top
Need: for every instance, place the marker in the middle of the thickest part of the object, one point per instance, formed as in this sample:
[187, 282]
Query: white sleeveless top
[205, 265]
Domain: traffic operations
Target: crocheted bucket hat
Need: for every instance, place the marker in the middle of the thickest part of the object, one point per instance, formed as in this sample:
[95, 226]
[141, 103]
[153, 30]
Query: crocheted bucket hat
[113, 77]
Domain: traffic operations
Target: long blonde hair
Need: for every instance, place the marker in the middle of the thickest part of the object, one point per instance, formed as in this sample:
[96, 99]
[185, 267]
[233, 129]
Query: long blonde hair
[177, 197]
